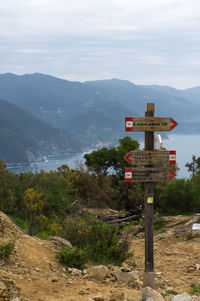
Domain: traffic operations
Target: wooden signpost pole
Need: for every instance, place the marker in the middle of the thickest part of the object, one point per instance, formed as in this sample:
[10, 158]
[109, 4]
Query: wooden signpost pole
[149, 275]
[151, 173]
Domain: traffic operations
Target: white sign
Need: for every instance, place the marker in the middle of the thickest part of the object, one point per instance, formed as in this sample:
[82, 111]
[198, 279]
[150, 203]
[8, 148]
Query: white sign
[196, 227]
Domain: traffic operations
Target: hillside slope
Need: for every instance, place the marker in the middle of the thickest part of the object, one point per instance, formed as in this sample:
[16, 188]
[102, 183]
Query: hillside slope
[97, 108]
[24, 138]
[35, 269]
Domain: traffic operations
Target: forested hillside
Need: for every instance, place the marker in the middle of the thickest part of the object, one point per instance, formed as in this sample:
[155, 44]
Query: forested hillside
[96, 109]
[24, 138]
[86, 114]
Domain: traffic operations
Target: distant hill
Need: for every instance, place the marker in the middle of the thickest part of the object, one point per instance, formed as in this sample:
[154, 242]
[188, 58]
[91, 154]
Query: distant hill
[94, 111]
[25, 139]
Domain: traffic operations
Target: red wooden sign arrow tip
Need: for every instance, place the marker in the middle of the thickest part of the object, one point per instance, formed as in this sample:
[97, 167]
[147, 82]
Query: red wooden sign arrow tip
[174, 123]
[127, 157]
[172, 174]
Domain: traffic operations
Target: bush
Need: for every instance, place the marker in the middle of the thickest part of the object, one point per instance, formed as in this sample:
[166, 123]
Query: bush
[195, 289]
[72, 257]
[98, 240]
[6, 250]
[175, 197]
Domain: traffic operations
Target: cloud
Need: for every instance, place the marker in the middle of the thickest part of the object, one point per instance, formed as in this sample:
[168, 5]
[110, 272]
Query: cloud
[130, 39]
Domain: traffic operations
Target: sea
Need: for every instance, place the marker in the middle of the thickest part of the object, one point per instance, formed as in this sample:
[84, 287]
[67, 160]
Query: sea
[185, 146]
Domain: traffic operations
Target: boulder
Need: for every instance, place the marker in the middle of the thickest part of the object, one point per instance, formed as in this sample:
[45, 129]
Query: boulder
[99, 272]
[148, 294]
[182, 297]
[125, 277]
[118, 296]
[60, 242]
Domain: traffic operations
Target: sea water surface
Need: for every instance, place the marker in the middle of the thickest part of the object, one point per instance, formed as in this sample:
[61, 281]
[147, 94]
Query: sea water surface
[52, 162]
[185, 146]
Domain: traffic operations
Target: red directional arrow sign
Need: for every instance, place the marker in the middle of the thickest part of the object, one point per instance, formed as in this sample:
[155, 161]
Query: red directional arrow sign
[150, 124]
[148, 174]
[172, 174]
[156, 157]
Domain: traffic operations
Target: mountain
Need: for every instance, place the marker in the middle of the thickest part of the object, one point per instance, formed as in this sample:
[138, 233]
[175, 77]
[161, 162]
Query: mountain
[25, 139]
[94, 111]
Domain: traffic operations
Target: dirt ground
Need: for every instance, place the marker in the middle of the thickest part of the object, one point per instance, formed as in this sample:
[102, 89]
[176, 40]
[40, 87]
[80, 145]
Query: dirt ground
[38, 274]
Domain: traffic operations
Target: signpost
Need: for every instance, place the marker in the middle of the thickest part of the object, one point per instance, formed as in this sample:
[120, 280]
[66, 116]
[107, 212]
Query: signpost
[139, 157]
[154, 171]
[148, 174]
[145, 124]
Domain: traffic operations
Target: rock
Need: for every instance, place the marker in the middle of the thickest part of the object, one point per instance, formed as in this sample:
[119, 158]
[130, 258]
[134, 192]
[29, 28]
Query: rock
[190, 269]
[98, 298]
[54, 280]
[76, 272]
[118, 296]
[148, 294]
[15, 299]
[125, 267]
[126, 277]
[182, 297]
[2, 287]
[137, 284]
[60, 242]
[99, 272]
[115, 268]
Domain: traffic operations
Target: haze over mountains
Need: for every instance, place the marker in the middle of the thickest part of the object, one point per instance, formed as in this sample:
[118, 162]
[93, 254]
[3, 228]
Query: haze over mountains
[50, 115]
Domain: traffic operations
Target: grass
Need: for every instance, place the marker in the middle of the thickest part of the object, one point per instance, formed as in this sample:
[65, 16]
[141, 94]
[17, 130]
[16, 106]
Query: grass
[195, 289]
[169, 293]
[6, 249]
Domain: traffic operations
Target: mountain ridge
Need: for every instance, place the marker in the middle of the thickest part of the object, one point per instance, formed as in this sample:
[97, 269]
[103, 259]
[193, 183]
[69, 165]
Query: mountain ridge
[93, 112]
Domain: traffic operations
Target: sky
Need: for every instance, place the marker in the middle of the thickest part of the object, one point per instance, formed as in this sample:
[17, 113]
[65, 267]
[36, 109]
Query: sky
[146, 42]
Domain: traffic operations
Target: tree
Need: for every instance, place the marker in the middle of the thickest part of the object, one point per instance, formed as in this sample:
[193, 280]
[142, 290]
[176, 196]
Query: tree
[193, 166]
[106, 159]
[110, 161]
[34, 206]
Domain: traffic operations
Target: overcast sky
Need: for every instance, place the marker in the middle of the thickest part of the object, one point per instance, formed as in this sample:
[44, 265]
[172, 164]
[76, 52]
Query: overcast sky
[144, 41]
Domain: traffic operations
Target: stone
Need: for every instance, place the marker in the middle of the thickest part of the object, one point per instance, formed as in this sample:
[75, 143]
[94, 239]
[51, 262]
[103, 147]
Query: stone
[60, 242]
[137, 284]
[15, 299]
[125, 277]
[125, 267]
[117, 296]
[148, 294]
[76, 272]
[99, 272]
[54, 280]
[182, 297]
[149, 279]
[98, 298]
[190, 269]
[2, 286]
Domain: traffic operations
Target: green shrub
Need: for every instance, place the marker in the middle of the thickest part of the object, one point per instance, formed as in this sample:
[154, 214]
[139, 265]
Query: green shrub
[99, 241]
[175, 197]
[195, 289]
[169, 293]
[6, 249]
[72, 257]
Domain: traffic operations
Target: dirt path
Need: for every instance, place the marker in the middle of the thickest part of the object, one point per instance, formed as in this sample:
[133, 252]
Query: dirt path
[39, 275]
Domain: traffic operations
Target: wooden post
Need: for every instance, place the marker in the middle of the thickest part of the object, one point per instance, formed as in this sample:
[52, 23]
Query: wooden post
[149, 275]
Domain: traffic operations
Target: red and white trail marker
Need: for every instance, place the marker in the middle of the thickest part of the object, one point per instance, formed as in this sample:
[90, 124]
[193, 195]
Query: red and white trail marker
[156, 157]
[148, 174]
[151, 124]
